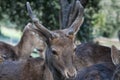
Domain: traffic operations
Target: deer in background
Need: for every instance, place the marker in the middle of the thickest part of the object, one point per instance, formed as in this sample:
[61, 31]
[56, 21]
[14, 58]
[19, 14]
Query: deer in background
[101, 71]
[115, 54]
[25, 46]
[58, 56]
[91, 53]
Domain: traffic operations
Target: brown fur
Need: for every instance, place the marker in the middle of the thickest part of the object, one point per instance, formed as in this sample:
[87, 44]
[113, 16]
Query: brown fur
[99, 71]
[31, 69]
[88, 54]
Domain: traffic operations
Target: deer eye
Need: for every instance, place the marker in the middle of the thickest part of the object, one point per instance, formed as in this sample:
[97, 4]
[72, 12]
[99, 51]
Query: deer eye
[54, 52]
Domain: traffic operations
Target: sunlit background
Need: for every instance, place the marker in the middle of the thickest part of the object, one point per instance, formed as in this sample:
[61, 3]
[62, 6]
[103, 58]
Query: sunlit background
[102, 19]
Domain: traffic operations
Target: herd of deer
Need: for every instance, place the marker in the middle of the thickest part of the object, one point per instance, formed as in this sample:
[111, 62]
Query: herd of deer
[61, 59]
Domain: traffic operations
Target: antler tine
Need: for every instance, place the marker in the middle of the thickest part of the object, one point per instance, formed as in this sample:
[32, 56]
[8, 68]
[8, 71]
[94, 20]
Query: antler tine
[64, 13]
[73, 29]
[30, 12]
[72, 14]
[44, 31]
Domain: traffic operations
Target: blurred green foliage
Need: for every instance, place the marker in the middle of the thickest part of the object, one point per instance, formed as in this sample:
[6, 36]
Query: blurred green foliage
[102, 17]
[85, 33]
[14, 11]
[109, 13]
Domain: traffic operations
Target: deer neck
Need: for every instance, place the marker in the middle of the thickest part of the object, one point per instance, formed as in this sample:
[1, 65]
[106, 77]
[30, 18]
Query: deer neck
[24, 48]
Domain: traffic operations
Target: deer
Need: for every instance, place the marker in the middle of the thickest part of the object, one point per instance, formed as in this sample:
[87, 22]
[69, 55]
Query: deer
[60, 45]
[115, 54]
[58, 55]
[88, 54]
[24, 47]
[51, 64]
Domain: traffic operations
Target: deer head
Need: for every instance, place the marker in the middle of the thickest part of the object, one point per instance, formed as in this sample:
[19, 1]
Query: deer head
[60, 45]
[115, 54]
[28, 42]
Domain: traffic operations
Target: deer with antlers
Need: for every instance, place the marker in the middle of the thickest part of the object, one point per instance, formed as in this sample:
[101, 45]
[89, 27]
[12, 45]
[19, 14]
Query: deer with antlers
[54, 41]
[60, 45]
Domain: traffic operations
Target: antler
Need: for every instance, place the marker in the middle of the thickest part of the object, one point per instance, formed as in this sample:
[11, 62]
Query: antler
[65, 12]
[44, 31]
[84, 2]
[73, 29]
[72, 14]
[68, 13]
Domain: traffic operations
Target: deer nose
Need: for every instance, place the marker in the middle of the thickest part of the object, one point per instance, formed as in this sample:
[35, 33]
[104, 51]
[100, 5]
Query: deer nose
[70, 73]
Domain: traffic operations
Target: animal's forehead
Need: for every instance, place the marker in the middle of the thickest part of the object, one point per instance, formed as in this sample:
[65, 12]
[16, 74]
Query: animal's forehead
[62, 39]
[60, 32]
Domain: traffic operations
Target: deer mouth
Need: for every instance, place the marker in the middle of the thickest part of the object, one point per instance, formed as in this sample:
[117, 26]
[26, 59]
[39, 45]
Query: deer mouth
[66, 74]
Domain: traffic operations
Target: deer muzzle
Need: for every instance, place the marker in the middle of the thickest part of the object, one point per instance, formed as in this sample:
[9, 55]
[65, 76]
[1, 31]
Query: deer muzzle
[70, 73]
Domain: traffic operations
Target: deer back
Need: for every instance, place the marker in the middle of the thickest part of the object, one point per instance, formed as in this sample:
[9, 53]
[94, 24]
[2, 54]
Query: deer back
[96, 72]
[88, 54]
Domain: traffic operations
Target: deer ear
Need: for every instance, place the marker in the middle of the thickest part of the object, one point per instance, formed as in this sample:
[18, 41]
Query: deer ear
[115, 55]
